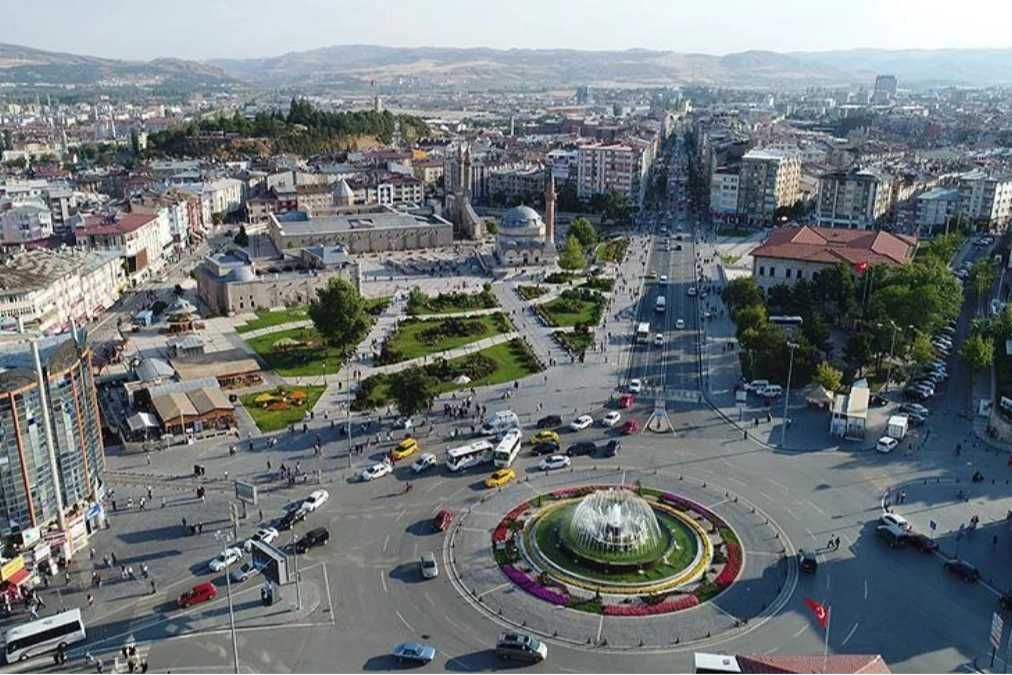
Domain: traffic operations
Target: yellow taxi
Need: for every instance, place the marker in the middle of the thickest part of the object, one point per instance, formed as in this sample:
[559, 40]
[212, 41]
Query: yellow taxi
[500, 477]
[546, 436]
[406, 447]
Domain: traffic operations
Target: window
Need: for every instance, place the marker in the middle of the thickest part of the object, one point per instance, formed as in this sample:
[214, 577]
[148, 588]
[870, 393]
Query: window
[788, 273]
[762, 271]
[799, 273]
[773, 272]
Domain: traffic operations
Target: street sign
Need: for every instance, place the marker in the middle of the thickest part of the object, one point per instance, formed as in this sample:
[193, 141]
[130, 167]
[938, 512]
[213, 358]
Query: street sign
[997, 626]
[246, 492]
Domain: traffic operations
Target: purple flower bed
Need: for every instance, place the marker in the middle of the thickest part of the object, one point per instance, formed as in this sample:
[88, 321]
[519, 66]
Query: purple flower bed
[532, 587]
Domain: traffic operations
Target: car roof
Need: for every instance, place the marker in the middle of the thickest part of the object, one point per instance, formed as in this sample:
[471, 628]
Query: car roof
[207, 585]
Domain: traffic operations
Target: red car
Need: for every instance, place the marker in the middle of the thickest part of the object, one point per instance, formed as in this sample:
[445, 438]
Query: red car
[196, 595]
[442, 520]
[630, 427]
[625, 401]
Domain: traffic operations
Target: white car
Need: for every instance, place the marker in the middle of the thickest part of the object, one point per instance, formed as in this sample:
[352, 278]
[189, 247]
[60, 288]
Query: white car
[264, 534]
[580, 423]
[424, 462]
[679, 324]
[376, 471]
[554, 462]
[611, 419]
[692, 290]
[245, 572]
[658, 339]
[317, 499]
[886, 444]
[896, 520]
[664, 278]
[225, 558]
[430, 569]
[635, 386]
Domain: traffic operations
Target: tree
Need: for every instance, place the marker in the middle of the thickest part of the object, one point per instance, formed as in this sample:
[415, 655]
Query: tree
[339, 314]
[572, 255]
[492, 227]
[859, 351]
[241, 238]
[921, 350]
[749, 321]
[977, 353]
[741, 292]
[217, 217]
[582, 229]
[829, 377]
[413, 390]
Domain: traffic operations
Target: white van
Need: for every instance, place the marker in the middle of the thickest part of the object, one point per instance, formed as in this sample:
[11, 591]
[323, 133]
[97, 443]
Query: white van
[499, 422]
[770, 391]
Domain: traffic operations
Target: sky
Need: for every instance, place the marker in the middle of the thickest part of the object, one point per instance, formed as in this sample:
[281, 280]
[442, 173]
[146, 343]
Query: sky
[206, 29]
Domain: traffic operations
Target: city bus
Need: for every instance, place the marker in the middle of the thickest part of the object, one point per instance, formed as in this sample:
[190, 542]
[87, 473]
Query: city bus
[643, 332]
[507, 449]
[472, 454]
[786, 320]
[37, 637]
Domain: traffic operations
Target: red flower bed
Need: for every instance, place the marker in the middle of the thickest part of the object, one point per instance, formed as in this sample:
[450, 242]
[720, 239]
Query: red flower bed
[683, 602]
[516, 512]
[732, 568]
[501, 533]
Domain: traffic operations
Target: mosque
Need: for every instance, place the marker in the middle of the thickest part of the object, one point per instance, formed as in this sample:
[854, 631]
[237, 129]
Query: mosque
[525, 239]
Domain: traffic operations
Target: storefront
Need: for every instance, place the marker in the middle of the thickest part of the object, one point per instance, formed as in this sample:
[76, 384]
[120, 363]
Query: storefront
[13, 575]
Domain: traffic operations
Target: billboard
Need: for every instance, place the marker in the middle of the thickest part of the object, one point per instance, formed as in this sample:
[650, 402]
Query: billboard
[246, 492]
[272, 562]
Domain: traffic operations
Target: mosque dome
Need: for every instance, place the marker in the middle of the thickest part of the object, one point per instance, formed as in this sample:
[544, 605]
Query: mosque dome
[521, 218]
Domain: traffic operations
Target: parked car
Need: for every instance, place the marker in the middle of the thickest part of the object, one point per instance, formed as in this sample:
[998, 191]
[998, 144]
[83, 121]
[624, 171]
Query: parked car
[626, 400]
[611, 419]
[520, 647]
[891, 535]
[962, 569]
[915, 419]
[287, 521]
[549, 421]
[916, 408]
[225, 558]
[424, 462]
[413, 652]
[442, 520]
[549, 448]
[500, 477]
[896, 520]
[808, 561]
[886, 444]
[196, 595]
[581, 448]
[247, 570]
[376, 471]
[922, 542]
[879, 401]
[554, 462]
[580, 423]
[318, 536]
[612, 448]
[771, 391]
[635, 386]
[630, 427]
[756, 385]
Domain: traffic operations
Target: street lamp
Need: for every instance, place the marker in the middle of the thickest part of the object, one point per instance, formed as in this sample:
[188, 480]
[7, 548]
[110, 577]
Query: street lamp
[298, 580]
[787, 395]
[226, 538]
[892, 347]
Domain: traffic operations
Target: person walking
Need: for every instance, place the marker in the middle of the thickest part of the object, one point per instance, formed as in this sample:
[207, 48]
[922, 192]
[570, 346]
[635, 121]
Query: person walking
[154, 587]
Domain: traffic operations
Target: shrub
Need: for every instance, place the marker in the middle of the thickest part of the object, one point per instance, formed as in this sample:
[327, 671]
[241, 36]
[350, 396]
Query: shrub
[559, 278]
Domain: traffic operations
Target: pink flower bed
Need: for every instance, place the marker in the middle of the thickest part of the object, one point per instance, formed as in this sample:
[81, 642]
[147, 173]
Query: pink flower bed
[665, 607]
[502, 533]
[732, 568]
[516, 512]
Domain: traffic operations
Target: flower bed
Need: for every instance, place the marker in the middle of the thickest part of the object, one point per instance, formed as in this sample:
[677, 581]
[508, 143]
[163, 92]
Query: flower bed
[533, 587]
[732, 568]
[681, 603]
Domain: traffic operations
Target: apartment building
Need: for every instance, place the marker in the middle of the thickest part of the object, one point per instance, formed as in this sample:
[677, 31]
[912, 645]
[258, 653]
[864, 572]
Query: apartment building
[769, 179]
[134, 237]
[526, 183]
[428, 171]
[935, 209]
[223, 196]
[853, 198]
[391, 191]
[620, 168]
[50, 289]
[724, 192]
[985, 199]
[24, 220]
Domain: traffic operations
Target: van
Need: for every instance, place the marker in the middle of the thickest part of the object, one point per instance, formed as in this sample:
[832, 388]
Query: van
[316, 537]
[499, 422]
[661, 304]
[520, 647]
[771, 391]
[891, 535]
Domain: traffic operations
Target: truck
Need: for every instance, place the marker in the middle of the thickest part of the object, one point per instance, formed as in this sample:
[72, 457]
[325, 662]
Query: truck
[499, 422]
[897, 427]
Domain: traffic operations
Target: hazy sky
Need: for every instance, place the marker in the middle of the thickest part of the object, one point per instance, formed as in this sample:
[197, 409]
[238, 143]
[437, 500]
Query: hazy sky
[201, 29]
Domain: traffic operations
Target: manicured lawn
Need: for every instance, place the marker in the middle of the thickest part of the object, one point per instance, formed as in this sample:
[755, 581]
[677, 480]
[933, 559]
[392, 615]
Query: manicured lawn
[267, 318]
[573, 307]
[574, 342]
[376, 306]
[310, 359]
[279, 413]
[729, 260]
[611, 251]
[416, 338]
[450, 303]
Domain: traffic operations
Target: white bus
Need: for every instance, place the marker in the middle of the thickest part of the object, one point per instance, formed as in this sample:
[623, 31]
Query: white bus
[507, 449]
[37, 637]
[643, 332]
[472, 454]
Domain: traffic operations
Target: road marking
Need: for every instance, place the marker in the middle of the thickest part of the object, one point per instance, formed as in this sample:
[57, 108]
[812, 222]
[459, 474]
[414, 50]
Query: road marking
[600, 627]
[722, 501]
[791, 513]
[400, 515]
[383, 580]
[849, 635]
[766, 496]
[451, 621]
[800, 631]
[428, 598]
[816, 507]
[739, 482]
[827, 582]
[810, 534]
[508, 584]
[404, 621]
[865, 589]
[385, 542]
[779, 484]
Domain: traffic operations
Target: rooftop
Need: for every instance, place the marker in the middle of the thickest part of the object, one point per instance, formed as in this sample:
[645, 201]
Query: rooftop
[120, 223]
[837, 246]
[39, 268]
[300, 223]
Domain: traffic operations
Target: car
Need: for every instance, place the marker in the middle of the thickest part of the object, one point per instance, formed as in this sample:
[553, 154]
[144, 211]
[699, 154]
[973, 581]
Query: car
[247, 570]
[922, 542]
[315, 500]
[896, 520]
[653, 274]
[630, 427]
[520, 647]
[413, 652]
[626, 400]
[891, 535]
[544, 437]
[886, 444]
[612, 448]
[225, 558]
[429, 566]
[196, 595]
[915, 419]
[925, 388]
[664, 278]
[442, 520]
[500, 477]
[554, 462]
[879, 401]
[680, 324]
[404, 449]
[678, 247]
[288, 520]
[962, 569]
[580, 423]
[914, 394]
[376, 471]
[770, 391]
[611, 419]
[264, 534]
[808, 561]
[548, 448]
[549, 421]
[635, 385]
[581, 448]
[658, 340]
[318, 536]
[692, 290]
[424, 462]
[756, 385]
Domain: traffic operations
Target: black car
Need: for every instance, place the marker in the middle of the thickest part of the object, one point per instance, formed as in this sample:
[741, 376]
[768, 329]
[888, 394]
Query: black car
[890, 536]
[581, 448]
[550, 421]
[612, 448]
[808, 561]
[290, 519]
[962, 569]
[546, 448]
[316, 537]
[878, 400]
[922, 542]
[915, 419]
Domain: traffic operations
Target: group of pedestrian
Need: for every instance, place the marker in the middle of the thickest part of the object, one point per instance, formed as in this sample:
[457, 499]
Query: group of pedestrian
[834, 543]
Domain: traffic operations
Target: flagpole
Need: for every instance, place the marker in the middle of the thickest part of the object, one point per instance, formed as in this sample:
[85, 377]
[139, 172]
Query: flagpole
[825, 650]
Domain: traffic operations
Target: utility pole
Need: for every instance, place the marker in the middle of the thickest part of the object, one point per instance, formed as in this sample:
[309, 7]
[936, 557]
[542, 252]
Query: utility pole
[787, 395]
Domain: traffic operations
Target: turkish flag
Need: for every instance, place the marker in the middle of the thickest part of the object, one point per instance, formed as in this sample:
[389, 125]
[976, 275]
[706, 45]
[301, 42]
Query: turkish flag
[821, 612]
[861, 267]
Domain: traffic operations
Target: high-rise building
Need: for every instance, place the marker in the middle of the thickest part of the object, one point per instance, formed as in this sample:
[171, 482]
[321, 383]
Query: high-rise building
[769, 179]
[885, 90]
[853, 198]
[51, 454]
[613, 168]
[585, 95]
[984, 198]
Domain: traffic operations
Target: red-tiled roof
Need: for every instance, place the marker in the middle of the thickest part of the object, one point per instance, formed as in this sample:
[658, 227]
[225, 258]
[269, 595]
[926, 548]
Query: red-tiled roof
[791, 663]
[829, 245]
[127, 222]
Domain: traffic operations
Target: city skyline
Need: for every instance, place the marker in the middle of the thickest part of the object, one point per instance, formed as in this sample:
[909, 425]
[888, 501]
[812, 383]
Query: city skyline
[193, 30]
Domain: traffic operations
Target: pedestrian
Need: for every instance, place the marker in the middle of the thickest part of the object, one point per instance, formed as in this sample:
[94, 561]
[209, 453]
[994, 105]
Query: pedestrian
[113, 502]
[122, 572]
[261, 514]
[88, 658]
[67, 577]
[268, 465]
[836, 543]
[154, 587]
[142, 502]
[994, 541]
[91, 554]
[91, 600]
[144, 570]
[184, 523]
[99, 666]
[200, 527]
[115, 664]
[33, 611]
[150, 492]
[163, 502]
[124, 652]
[830, 544]
[112, 556]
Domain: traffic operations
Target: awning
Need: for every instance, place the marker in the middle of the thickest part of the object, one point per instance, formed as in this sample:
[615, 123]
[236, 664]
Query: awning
[19, 578]
[142, 420]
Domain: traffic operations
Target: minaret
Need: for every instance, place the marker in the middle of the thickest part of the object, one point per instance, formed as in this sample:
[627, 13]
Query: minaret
[466, 178]
[549, 208]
